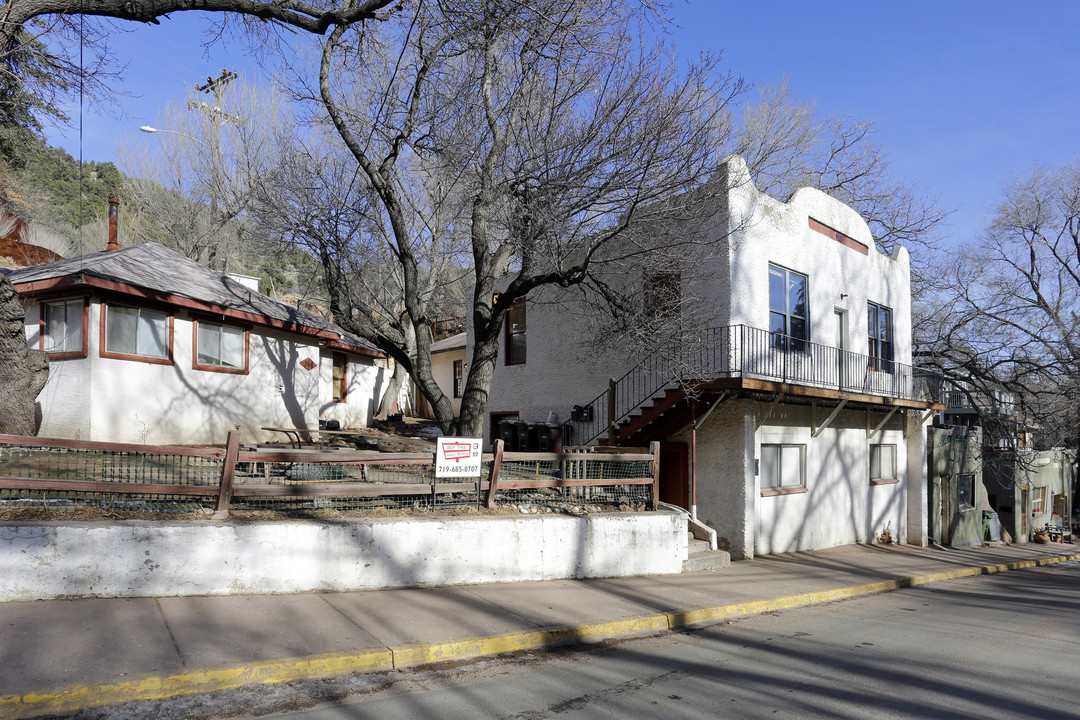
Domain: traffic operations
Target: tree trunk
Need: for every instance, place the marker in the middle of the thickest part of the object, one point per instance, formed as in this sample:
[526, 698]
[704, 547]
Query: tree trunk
[23, 372]
[474, 400]
[386, 404]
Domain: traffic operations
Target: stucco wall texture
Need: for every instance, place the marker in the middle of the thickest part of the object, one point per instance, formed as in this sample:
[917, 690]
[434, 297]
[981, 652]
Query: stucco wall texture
[54, 560]
[747, 231]
[120, 400]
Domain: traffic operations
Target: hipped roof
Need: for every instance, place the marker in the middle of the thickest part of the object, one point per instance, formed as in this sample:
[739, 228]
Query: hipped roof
[156, 273]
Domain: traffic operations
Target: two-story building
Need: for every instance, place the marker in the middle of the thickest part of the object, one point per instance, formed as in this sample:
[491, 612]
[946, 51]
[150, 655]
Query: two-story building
[790, 414]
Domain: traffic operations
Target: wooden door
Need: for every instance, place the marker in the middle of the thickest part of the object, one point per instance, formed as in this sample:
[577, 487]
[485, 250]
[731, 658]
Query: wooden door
[675, 474]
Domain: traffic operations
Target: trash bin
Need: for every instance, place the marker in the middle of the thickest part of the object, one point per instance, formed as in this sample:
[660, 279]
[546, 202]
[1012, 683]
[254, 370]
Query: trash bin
[526, 441]
[508, 434]
[991, 526]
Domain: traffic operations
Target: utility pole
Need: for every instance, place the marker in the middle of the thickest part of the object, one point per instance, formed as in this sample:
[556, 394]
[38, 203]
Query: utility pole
[218, 117]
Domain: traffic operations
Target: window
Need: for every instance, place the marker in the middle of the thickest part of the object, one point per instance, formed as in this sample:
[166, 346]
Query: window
[663, 290]
[459, 377]
[515, 333]
[782, 466]
[220, 347]
[882, 462]
[340, 376]
[137, 333]
[965, 491]
[62, 328]
[1038, 501]
[879, 325]
[787, 309]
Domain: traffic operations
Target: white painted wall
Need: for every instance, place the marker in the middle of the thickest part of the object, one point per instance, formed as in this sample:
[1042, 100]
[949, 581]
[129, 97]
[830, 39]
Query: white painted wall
[53, 560]
[771, 231]
[119, 400]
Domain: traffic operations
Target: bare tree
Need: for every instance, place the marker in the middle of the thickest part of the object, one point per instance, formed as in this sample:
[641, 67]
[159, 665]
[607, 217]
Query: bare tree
[1010, 316]
[192, 182]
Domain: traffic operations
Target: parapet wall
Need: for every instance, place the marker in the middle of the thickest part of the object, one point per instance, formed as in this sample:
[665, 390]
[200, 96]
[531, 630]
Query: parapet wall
[150, 559]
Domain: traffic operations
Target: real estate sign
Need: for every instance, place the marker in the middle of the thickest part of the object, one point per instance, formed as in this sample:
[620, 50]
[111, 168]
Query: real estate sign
[457, 457]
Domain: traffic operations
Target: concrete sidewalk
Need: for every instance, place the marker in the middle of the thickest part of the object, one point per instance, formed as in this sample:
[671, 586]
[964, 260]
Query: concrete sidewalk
[59, 655]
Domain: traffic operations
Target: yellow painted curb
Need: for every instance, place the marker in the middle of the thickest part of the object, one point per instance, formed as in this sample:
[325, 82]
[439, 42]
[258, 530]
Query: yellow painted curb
[72, 698]
[408, 656]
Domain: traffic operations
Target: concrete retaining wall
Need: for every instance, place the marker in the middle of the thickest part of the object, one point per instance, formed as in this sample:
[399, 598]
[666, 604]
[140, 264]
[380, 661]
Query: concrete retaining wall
[142, 559]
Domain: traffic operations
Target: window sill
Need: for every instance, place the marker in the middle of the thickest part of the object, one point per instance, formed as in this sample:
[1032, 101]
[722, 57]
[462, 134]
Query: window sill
[67, 355]
[215, 368]
[137, 358]
[771, 492]
[885, 481]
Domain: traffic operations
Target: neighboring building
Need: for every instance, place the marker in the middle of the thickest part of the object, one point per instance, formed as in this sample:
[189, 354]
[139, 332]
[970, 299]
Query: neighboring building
[806, 427]
[148, 346]
[996, 412]
[958, 497]
[448, 367]
[1030, 490]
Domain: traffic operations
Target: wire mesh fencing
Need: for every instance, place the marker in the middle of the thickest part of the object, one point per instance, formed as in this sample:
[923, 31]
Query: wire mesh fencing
[60, 475]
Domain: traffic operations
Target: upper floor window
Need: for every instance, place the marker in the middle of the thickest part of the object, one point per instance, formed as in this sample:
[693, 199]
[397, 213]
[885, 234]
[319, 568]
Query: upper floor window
[663, 291]
[137, 333]
[340, 376]
[459, 377]
[515, 333]
[788, 314]
[879, 325]
[62, 328]
[218, 347]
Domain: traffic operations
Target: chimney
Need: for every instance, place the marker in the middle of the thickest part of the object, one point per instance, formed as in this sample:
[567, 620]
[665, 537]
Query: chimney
[114, 209]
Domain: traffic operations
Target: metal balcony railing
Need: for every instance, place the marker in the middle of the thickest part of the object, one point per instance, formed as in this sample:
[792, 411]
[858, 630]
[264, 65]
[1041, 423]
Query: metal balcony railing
[741, 351]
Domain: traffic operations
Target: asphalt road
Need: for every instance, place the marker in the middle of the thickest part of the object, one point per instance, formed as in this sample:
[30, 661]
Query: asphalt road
[998, 646]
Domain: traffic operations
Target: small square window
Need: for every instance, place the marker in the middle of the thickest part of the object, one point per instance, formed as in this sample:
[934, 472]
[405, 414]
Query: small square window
[783, 466]
[220, 347]
[882, 462]
[62, 328]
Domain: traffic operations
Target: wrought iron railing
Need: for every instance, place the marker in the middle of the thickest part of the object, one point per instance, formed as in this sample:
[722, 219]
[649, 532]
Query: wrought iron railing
[741, 351]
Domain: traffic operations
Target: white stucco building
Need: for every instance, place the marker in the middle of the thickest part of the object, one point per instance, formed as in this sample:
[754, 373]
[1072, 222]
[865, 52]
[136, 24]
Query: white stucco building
[805, 427]
[147, 346]
[448, 368]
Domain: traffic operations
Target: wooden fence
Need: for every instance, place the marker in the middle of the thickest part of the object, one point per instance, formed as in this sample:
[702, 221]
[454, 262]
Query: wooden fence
[224, 475]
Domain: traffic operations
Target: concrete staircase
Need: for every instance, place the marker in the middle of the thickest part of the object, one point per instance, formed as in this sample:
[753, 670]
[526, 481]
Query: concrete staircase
[700, 557]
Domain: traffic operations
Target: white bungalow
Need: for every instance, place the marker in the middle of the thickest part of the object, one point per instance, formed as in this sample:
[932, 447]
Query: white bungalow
[147, 346]
[806, 425]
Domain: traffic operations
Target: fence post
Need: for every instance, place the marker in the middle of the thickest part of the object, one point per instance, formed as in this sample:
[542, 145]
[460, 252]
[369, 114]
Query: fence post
[493, 480]
[612, 387]
[654, 450]
[228, 467]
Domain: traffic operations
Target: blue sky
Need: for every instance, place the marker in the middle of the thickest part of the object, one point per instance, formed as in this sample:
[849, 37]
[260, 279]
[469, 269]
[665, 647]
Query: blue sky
[965, 95]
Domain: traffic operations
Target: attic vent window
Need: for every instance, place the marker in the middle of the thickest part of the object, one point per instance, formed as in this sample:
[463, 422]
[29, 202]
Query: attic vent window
[837, 236]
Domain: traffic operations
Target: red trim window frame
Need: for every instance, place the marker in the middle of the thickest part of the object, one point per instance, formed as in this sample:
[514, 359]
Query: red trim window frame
[195, 321]
[103, 350]
[339, 381]
[64, 354]
[516, 325]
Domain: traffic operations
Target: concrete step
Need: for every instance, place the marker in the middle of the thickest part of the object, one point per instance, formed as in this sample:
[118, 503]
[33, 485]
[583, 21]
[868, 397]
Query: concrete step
[707, 560]
[700, 557]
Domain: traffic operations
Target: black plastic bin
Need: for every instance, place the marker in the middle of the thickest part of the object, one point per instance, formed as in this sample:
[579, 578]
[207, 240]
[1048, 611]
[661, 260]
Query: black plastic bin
[508, 434]
[526, 440]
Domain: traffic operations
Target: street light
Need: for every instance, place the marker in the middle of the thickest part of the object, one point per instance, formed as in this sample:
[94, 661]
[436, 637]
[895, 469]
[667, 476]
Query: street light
[148, 129]
[215, 171]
